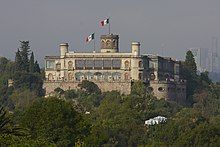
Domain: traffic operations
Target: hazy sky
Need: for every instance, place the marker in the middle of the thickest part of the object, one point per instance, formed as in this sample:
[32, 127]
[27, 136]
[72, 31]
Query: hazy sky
[170, 24]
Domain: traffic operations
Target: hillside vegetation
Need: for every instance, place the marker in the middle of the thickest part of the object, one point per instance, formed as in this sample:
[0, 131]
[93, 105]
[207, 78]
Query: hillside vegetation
[88, 117]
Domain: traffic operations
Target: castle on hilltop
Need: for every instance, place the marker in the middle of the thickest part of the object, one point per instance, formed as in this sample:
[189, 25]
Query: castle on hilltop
[114, 70]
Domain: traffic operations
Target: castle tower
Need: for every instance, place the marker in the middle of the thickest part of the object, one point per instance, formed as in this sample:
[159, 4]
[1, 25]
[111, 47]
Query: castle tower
[63, 49]
[135, 48]
[109, 43]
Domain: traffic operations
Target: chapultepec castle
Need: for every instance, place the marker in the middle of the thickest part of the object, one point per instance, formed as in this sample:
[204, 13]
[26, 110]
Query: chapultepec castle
[111, 70]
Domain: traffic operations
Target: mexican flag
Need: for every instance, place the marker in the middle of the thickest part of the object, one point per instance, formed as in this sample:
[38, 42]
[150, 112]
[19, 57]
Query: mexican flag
[104, 22]
[90, 37]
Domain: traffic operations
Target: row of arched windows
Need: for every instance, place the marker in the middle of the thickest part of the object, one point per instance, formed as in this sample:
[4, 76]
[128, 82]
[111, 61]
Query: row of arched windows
[115, 76]
[126, 65]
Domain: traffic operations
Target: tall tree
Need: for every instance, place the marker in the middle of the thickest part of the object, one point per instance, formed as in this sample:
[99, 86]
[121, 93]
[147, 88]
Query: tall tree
[31, 63]
[25, 49]
[190, 63]
[18, 61]
[189, 72]
[36, 67]
[3, 63]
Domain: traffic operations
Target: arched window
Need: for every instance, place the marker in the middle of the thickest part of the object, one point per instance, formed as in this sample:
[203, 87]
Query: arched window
[140, 64]
[161, 89]
[70, 76]
[150, 89]
[126, 76]
[126, 64]
[116, 76]
[98, 75]
[58, 66]
[70, 65]
[50, 77]
[140, 76]
[79, 76]
[152, 76]
[89, 75]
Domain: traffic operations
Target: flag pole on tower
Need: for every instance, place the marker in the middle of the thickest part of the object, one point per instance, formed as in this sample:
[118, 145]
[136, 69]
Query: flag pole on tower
[109, 28]
[106, 22]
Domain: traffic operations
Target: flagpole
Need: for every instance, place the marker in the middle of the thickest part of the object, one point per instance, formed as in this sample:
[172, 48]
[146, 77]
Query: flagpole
[109, 27]
[94, 44]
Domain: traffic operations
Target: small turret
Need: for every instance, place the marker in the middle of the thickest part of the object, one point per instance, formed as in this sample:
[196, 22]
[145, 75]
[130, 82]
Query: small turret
[135, 48]
[63, 49]
[109, 43]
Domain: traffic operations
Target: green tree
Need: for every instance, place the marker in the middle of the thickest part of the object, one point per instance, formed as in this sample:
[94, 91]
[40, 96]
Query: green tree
[189, 72]
[33, 82]
[22, 99]
[70, 94]
[190, 63]
[89, 87]
[36, 67]
[3, 63]
[6, 125]
[31, 63]
[25, 49]
[54, 120]
[138, 88]
[115, 123]
[18, 61]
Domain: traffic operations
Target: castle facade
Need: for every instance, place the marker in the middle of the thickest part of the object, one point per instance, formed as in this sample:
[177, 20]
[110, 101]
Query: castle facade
[114, 70]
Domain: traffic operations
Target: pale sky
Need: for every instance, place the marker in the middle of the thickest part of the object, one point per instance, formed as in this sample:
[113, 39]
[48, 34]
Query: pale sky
[170, 24]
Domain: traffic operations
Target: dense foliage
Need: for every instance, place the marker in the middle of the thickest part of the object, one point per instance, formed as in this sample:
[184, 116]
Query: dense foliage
[88, 117]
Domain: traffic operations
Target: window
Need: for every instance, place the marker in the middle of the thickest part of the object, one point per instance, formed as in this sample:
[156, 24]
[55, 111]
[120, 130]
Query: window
[58, 66]
[177, 69]
[140, 64]
[116, 76]
[98, 75]
[70, 76]
[150, 89]
[89, 64]
[126, 64]
[161, 89]
[140, 75]
[106, 75]
[89, 75]
[98, 64]
[50, 64]
[70, 65]
[107, 64]
[152, 76]
[126, 76]
[50, 77]
[79, 76]
[79, 64]
[151, 65]
[116, 63]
